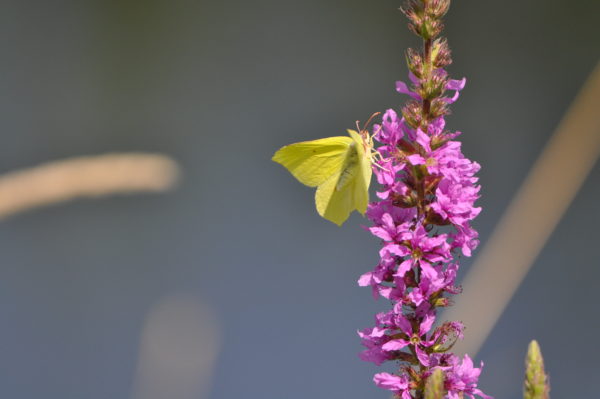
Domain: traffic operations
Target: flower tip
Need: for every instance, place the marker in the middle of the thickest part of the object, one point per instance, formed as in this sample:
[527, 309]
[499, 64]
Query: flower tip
[536, 381]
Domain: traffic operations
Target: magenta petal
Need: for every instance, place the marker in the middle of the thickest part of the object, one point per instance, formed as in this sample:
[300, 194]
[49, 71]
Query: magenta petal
[416, 296]
[422, 356]
[387, 220]
[424, 140]
[394, 345]
[390, 381]
[428, 270]
[401, 87]
[377, 332]
[374, 356]
[404, 267]
[416, 159]
[451, 100]
[381, 233]
[392, 249]
[413, 78]
[404, 325]
[455, 84]
[427, 323]
[365, 279]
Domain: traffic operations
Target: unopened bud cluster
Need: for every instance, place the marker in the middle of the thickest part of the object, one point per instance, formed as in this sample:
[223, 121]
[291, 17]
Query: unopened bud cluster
[425, 17]
[536, 381]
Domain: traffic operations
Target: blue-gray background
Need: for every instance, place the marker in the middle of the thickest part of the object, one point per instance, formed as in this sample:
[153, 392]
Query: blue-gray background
[219, 86]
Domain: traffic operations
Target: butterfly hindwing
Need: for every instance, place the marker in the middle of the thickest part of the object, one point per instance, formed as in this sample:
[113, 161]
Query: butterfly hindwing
[335, 197]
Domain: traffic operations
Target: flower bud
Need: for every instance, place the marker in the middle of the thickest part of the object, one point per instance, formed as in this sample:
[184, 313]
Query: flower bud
[405, 201]
[430, 28]
[414, 60]
[437, 8]
[425, 18]
[440, 53]
[441, 303]
[412, 113]
[438, 107]
[414, 11]
[536, 381]
[435, 218]
[434, 87]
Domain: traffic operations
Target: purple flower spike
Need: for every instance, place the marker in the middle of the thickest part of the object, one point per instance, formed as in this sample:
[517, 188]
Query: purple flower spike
[423, 220]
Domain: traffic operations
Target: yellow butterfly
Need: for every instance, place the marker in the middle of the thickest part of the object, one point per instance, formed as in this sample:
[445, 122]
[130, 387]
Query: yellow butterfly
[340, 168]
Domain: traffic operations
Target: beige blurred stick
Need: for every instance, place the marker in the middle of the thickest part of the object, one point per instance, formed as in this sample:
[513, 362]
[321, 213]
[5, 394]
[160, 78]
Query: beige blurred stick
[531, 217]
[88, 176]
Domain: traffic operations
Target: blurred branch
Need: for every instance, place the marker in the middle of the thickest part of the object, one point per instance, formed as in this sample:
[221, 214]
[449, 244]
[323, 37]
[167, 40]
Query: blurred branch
[89, 176]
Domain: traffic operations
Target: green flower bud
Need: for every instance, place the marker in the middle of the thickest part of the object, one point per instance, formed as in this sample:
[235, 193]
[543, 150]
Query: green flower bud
[414, 62]
[412, 113]
[440, 53]
[536, 381]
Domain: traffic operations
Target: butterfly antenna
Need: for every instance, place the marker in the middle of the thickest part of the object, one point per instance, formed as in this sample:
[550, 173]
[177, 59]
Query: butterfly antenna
[370, 119]
[367, 123]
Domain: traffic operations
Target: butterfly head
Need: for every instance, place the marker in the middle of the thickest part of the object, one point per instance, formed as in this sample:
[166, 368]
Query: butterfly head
[367, 138]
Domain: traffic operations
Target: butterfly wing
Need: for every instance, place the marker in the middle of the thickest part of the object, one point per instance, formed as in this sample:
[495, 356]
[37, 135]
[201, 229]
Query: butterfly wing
[335, 197]
[339, 166]
[314, 162]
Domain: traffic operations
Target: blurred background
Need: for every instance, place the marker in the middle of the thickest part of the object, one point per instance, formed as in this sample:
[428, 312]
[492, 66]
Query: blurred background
[230, 285]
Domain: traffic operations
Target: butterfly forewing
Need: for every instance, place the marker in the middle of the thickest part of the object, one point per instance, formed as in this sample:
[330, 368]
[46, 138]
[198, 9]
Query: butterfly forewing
[333, 204]
[314, 162]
